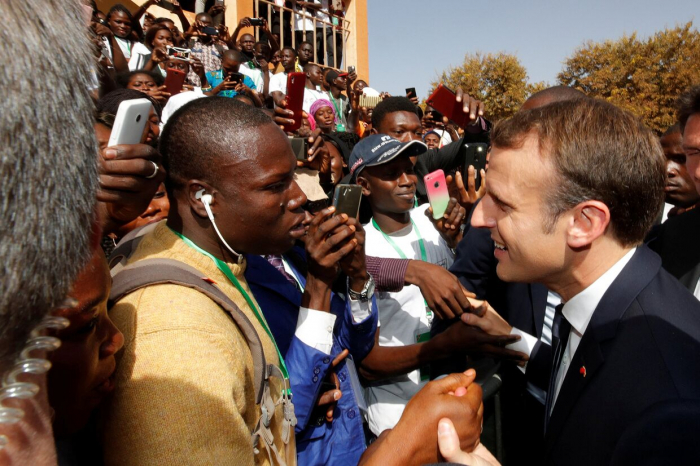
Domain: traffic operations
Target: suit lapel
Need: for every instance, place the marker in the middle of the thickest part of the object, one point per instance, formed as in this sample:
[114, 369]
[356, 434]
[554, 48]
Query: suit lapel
[591, 352]
[261, 273]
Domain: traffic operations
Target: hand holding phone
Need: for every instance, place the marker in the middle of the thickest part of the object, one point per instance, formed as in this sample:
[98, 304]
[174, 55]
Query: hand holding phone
[346, 199]
[296, 82]
[130, 122]
[458, 107]
[438, 195]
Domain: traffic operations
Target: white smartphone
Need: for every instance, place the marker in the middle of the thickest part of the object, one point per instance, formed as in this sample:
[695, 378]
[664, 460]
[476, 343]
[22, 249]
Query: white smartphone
[130, 122]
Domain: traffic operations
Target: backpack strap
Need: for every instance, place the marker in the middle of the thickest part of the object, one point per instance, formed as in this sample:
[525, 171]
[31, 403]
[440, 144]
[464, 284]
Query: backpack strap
[147, 272]
[126, 247]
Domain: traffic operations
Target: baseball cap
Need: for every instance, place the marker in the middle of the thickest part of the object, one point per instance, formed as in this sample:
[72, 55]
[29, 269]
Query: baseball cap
[333, 74]
[379, 149]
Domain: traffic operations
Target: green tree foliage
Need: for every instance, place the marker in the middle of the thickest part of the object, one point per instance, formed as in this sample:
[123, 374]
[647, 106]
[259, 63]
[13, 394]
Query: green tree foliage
[498, 80]
[643, 76]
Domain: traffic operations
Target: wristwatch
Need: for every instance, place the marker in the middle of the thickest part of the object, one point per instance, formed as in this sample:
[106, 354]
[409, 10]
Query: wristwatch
[367, 290]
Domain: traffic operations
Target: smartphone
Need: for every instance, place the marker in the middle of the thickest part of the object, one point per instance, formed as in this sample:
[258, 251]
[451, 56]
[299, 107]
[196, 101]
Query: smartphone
[346, 199]
[437, 116]
[130, 122]
[174, 80]
[300, 147]
[256, 21]
[235, 77]
[166, 5]
[369, 101]
[219, 2]
[411, 92]
[177, 52]
[436, 188]
[473, 154]
[351, 69]
[210, 31]
[445, 101]
[296, 82]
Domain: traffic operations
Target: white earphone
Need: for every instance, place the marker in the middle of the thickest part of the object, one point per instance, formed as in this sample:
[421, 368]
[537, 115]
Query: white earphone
[206, 200]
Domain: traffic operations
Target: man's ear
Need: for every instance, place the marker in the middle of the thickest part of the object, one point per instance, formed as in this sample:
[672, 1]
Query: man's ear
[589, 222]
[194, 198]
[364, 184]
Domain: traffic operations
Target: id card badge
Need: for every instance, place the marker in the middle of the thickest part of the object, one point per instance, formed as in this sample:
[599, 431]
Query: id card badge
[429, 314]
[425, 370]
[340, 127]
[355, 384]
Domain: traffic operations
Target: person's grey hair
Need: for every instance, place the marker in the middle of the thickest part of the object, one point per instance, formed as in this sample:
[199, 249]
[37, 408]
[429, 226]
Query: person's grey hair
[48, 157]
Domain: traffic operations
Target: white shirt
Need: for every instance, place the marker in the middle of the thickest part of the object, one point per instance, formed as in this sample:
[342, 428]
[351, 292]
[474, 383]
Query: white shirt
[139, 57]
[278, 82]
[579, 310]
[303, 23]
[402, 315]
[253, 73]
[311, 96]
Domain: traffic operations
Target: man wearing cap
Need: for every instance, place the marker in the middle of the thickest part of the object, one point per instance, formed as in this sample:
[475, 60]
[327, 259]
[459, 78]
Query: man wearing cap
[396, 366]
[319, 346]
[338, 82]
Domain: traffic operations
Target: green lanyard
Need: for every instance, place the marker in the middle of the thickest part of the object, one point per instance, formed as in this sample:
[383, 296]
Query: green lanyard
[423, 255]
[339, 111]
[226, 270]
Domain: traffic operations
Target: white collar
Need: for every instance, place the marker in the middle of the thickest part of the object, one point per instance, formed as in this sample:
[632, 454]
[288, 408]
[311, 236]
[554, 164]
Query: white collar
[579, 309]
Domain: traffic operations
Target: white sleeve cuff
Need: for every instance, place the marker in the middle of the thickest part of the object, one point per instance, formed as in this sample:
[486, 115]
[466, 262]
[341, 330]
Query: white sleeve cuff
[315, 329]
[360, 309]
[525, 345]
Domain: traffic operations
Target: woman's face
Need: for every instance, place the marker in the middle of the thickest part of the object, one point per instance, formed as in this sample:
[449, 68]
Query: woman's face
[162, 39]
[178, 65]
[82, 372]
[153, 126]
[142, 82]
[102, 133]
[324, 118]
[119, 24]
[157, 210]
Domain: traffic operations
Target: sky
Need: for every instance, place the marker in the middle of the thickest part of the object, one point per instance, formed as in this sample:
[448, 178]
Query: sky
[412, 41]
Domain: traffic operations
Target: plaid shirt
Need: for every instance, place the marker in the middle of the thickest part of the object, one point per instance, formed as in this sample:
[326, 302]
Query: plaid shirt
[209, 54]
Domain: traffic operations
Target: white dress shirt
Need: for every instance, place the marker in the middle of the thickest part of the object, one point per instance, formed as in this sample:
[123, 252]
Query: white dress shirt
[579, 310]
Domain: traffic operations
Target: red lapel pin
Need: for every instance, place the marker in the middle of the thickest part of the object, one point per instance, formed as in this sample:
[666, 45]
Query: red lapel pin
[582, 371]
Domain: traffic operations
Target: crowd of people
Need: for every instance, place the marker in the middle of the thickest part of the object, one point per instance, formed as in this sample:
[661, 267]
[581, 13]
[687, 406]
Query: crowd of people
[206, 296]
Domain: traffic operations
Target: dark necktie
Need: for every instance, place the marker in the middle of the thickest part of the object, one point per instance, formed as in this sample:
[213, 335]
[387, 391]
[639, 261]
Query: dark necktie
[560, 336]
[277, 263]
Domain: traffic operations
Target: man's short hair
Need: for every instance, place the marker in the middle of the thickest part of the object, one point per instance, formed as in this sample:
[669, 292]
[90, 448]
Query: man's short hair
[687, 105]
[391, 105]
[48, 163]
[556, 94]
[309, 66]
[234, 55]
[290, 48]
[192, 145]
[599, 152]
[305, 42]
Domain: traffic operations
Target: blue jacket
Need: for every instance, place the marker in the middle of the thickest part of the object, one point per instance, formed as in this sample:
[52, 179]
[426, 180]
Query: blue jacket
[341, 442]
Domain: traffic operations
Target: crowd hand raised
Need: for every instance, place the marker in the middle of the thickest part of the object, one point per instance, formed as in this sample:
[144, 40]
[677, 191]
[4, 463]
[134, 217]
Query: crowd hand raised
[126, 186]
[328, 240]
[448, 443]
[159, 94]
[281, 116]
[466, 197]
[354, 265]
[223, 32]
[352, 77]
[330, 398]
[414, 100]
[159, 55]
[470, 105]
[198, 68]
[414, 439]
[216, 9]
[245, 22]
[460, 338]
[102, 30]
[450, 224]
[318, 156]
[442, 291]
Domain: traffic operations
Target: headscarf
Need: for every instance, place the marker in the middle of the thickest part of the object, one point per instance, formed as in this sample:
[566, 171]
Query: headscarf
[319, 104]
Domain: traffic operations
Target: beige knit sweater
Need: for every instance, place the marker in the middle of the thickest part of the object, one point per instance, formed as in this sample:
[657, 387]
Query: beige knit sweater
[184, 392]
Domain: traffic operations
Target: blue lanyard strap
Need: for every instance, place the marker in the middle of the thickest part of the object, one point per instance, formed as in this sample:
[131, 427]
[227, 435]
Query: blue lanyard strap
[226, 270]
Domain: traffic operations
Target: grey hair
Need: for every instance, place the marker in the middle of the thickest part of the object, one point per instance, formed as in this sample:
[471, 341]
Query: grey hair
[48, 160]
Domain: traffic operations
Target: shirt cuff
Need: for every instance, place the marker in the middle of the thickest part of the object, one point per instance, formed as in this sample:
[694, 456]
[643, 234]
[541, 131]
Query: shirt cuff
[360, 309]
[525, 345]
[315, 329]
[388, 274]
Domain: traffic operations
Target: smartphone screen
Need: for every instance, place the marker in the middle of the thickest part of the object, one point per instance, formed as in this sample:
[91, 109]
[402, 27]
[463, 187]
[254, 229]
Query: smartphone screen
[473, 154]
[438, 195]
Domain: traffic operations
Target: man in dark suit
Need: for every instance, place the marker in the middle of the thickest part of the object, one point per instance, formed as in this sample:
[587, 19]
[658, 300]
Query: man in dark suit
[676, 239]
[628, 334]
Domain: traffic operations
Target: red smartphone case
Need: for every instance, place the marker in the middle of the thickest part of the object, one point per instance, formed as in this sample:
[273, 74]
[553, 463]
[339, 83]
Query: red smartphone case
[296, 82]
[445, 101]
[174, 81]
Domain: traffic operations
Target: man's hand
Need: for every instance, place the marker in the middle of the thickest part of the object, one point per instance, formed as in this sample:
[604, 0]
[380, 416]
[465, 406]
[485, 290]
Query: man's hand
[483, 316]
[225, 85]
[354, 265]
[470, 105]
[159, 94]
[216, 9]
[442, 291]
[466, 197]
[414, 100]
[460, 338]
[244, 23]
[448, 442]
[198, 68]
[126, 185]
[283, 117]
[102, 30]
[329, 239]
[241, 88]
[159, 55]
[450, 224]
[318, 156]
[414, 439]
[330, 398]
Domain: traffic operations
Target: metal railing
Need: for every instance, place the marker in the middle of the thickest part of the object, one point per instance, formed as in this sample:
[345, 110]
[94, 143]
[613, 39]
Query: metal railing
[342, 28]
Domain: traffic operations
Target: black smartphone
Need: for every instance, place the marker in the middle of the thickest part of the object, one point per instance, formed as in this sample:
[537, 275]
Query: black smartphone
[411, 92]
[351, 69]
[346, 199]
[235, 77]
[210, 31]
[437, 116]
[473, 154]
[300, 147]
[256, 21]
